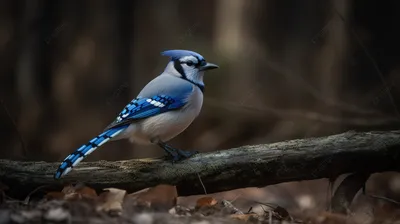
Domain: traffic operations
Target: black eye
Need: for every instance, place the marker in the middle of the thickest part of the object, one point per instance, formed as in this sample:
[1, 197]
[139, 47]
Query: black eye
[189, 63]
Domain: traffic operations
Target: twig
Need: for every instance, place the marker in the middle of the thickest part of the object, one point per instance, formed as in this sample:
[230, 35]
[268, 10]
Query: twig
[384, 199]
[201, 182]
[28, 197]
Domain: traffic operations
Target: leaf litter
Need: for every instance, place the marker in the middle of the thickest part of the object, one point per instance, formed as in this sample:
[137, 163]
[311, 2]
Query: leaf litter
[81, 204]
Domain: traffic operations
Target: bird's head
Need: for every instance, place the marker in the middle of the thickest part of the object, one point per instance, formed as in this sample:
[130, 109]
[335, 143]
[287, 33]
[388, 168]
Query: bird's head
[187, 65]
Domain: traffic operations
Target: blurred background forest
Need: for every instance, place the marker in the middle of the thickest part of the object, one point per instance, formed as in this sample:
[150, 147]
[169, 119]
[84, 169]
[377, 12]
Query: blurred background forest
[288, 69]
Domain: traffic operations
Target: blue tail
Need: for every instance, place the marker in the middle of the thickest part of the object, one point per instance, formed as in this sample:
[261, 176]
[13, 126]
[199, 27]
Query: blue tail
[77, 156]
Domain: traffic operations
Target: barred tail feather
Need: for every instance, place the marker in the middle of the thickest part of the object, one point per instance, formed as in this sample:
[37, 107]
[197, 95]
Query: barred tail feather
[76, 157]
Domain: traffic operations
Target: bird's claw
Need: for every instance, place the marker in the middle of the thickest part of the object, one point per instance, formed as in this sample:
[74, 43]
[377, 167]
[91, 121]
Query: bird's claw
[179, 155]
[186, 154]
[176, 155]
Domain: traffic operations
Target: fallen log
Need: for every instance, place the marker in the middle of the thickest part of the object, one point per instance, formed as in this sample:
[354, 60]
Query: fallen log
[245, 166]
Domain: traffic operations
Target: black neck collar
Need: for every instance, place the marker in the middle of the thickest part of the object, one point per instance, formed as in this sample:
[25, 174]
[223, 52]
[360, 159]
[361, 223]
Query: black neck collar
[179, 68]
[201, 87]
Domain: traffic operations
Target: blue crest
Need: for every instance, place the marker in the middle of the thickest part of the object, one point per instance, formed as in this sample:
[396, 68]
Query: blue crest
[176, 54]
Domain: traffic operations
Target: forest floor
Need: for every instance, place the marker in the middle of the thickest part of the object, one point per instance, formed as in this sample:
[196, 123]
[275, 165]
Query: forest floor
[81, 204]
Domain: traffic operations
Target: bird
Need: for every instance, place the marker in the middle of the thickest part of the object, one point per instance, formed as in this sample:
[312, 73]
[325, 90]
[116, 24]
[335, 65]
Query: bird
[163, 109]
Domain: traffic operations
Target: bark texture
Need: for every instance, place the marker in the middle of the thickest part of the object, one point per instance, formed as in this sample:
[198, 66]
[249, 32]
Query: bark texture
[246, 166]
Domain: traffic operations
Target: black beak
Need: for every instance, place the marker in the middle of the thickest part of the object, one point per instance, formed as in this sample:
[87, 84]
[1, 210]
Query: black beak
[208, 66]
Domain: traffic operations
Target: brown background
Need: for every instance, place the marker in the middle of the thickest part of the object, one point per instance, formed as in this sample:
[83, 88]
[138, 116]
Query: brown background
[288, 69]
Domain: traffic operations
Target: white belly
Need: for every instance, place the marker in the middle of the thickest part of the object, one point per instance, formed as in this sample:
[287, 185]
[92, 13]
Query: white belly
[167, 125]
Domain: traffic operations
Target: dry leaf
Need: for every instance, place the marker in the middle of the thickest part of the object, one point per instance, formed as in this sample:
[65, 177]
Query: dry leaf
[346, 191]
[86, 192]
[77, 192]
[135, 194]
[205, 202]
[68, 189]
[207, 206]
[54, 195]
[69, 192]
[161, 197]
[281, 213]
[111, 201]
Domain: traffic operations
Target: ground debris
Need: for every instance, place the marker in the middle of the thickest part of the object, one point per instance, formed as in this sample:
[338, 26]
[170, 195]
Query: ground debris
[156, 205]
[26, 216]
[111, 210]
[57, 215]
[180, 211]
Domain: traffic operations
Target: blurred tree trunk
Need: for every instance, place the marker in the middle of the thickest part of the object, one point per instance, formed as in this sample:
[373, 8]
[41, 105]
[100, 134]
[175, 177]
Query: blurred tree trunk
[33, 89]
[332, 63]
[237, 40]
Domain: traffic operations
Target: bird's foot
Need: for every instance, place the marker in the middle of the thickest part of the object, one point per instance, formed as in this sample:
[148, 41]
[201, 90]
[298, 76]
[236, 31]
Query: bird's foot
[186, 154]
[174, 154]
[182, 155]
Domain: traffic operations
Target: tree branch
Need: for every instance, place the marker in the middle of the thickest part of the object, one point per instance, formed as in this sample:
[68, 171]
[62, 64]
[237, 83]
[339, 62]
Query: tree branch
[246, 166]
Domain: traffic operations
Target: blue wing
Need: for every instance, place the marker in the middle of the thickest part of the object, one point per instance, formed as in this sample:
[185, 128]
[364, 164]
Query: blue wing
[147, 107]
[144, 107]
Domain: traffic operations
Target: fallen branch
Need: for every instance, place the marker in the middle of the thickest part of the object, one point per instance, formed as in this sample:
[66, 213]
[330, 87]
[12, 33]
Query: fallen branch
[246, 166]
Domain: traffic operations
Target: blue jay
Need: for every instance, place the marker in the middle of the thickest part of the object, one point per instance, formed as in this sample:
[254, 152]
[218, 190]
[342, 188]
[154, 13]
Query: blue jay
[164, 108]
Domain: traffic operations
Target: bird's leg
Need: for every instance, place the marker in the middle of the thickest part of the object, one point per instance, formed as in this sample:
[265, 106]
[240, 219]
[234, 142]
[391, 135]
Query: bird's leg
[171, 152]
[176, 154]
